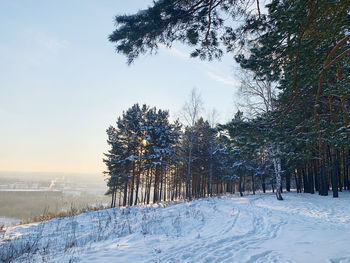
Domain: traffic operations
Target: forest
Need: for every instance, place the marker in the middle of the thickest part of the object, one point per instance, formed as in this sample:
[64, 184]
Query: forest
[293, 127]
[265, 178]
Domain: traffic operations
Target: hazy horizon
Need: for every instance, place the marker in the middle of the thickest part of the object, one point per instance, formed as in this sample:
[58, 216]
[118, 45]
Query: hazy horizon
[34, 175]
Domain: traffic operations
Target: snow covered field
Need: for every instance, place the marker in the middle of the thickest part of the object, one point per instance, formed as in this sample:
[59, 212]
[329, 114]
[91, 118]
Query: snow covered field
[302, 228]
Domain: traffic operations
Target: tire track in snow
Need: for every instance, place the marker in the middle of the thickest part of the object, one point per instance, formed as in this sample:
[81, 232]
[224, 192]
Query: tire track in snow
[226, 244]
[222, 229]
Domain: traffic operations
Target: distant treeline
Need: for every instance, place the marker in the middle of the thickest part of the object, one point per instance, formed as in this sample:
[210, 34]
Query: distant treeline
[28, 205]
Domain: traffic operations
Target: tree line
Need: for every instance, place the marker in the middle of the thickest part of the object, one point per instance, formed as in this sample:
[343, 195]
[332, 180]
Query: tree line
[151, 159]
[295, 57]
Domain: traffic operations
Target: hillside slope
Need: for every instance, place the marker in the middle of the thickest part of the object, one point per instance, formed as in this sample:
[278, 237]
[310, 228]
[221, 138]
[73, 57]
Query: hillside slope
[302, 228]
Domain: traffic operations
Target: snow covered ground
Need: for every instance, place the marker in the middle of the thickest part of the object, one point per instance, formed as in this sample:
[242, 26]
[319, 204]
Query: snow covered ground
[302, 228]
[9, 221]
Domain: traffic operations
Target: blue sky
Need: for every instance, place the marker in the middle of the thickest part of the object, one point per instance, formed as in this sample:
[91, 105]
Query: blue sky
[62, 84]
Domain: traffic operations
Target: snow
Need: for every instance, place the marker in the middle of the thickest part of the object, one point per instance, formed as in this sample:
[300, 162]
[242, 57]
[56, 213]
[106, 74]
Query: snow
[8, 221]
[301, 228]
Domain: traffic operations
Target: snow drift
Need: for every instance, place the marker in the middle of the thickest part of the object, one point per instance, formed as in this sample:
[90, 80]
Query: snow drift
[302, 228]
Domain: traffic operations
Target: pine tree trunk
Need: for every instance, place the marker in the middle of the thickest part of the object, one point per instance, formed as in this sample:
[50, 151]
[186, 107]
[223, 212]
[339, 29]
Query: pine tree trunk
[296, 180]
[299, 180]
[125, 197]
[211, 176]
[316, 175]
[288, 182]
[155, 186]
[253, 184]
[112, 202]
[311, 179]
[243, 184]
[345, 169]
[188, 183]
[132, 186]
[305, 180]
[263, 184]
[323, 178]
[150, 171]
[240, 186]
[161, 183]
[333, 158]
[165, 184]
[137, 184]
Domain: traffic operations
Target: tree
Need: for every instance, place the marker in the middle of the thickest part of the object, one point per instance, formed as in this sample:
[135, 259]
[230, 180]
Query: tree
[261, 99]
[212, 131]
[115, 171]
[191, 111]
[198, 23]
[143, 140]
[300, 47]
[257, 96]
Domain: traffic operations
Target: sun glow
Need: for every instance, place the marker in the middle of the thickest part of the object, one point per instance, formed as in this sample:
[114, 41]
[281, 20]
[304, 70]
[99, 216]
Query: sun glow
[144, 142]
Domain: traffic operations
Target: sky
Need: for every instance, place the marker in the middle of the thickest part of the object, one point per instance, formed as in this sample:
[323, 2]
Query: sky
[62, 83]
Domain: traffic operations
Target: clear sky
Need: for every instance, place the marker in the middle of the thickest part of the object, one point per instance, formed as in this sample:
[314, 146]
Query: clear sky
[62, 84]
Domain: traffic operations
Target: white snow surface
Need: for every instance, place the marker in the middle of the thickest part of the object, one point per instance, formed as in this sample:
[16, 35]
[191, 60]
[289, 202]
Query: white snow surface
[9, 221]
[301, 228]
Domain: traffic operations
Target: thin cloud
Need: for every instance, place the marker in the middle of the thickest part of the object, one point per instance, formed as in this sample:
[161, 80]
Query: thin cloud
[50, 43]
[175, 52]
[205, 67]
[227, 80]
[178, 53]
